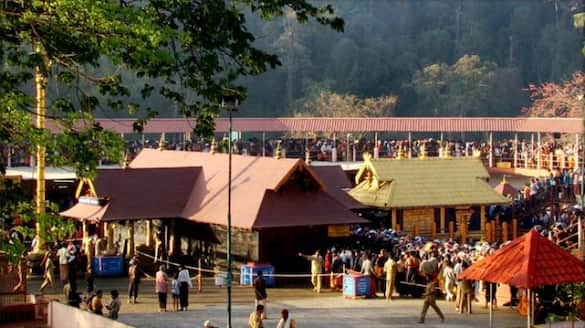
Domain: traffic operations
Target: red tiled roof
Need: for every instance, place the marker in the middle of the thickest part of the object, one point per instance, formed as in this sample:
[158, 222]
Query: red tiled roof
[506, 189]
[527, 262]
[252, 178]
[145, 192]
[336, 181]
[292, 208]
[83, 212]
[361, 124]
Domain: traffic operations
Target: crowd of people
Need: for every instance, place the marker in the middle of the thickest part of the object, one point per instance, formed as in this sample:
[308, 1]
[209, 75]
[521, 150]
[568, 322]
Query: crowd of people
[529, 153]
[564, 154]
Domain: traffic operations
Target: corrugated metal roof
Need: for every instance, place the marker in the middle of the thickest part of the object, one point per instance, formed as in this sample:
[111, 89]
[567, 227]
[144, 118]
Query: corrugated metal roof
[361, 124]
[432, 182]
[527, 262]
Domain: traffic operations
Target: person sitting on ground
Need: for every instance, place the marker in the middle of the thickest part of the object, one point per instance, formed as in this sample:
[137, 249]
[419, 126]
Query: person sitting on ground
[255, 320]
[208, 324]
[286, 321]
[97, 306]
[114, 306]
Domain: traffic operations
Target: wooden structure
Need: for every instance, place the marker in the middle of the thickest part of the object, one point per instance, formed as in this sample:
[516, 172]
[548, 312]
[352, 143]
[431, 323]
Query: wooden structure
[422, 192]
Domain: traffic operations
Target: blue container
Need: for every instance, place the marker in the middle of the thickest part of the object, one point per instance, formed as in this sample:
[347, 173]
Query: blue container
[355, 285]
[249, 272]
[108, 265]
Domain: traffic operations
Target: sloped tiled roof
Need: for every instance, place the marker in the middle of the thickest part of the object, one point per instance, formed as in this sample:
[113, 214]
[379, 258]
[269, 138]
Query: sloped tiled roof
[337, 183]
[432, 182]
[505, 189]
[253, 178]
[85, 212]
[145, 192]
[527, 262]
[300, 208]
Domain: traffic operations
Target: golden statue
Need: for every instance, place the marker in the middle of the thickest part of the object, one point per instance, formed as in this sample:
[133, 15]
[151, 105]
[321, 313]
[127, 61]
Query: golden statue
[162, 143]
[399, 152]
[212, 147]
[447, 152]
[278, 152]
[423, 152]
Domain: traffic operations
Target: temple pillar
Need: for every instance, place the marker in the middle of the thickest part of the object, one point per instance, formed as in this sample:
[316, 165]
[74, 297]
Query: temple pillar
[482, 218]
[504, 232]
[130, 253]
[538, 153]
[491, 154]
[409, 144]
[148, 233]
[109, 233]
[394, 218]
[442, 220]
[515, 150]
[172, 237]
[463, 231]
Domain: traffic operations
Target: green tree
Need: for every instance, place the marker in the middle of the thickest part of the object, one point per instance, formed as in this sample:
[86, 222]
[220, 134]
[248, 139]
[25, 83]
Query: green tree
[195, 51]
[330, 104]
[461, 89]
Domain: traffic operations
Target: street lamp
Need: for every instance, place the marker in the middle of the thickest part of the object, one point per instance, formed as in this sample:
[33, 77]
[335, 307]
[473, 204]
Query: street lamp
[230, 105]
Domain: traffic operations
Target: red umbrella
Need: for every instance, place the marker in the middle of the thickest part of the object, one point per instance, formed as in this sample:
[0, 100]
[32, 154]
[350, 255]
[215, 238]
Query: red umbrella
[505, 189]
[527, 262]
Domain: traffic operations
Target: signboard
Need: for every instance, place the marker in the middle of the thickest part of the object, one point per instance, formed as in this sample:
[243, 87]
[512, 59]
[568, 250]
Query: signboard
[338, 230]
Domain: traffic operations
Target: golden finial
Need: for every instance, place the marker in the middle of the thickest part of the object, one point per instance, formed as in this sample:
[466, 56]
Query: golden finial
[278, 152]
[162, 143]
[212, 147]
[476, 153]
[367, 157]
[125, 160]
[447, 152]
[307, 156]
[399, 152]
[423, 152]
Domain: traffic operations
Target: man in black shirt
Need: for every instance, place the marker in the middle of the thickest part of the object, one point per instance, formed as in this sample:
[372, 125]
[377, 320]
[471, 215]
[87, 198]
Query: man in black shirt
[260, 291]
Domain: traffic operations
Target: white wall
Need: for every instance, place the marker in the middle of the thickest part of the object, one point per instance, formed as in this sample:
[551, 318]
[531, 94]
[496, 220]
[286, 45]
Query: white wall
[64, 316]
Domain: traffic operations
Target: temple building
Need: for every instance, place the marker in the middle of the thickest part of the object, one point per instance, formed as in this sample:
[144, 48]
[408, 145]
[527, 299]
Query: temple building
[425, 196]
[279, 207]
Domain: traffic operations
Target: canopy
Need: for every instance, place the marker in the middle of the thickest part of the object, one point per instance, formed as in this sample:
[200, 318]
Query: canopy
[83, 212]
[527, 262]
[505, 189]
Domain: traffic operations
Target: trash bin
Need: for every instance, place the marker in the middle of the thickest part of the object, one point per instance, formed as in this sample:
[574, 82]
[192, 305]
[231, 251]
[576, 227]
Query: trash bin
[108, 265]
[356, 286]
[249, 272]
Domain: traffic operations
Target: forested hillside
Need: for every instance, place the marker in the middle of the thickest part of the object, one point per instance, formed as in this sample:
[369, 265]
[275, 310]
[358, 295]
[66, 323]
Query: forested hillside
[435, 58]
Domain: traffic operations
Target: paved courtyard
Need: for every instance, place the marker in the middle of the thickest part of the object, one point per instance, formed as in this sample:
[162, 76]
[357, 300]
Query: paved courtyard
[327, 309]
[330, 311]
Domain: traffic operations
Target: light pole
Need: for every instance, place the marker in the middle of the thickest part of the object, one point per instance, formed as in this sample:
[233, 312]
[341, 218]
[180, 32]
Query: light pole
[230, 105]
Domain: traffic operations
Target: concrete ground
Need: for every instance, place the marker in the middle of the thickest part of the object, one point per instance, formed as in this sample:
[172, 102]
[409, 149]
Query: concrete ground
[327, 309]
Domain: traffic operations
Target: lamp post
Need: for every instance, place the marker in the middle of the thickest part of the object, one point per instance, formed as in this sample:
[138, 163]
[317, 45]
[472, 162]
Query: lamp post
[230, 105]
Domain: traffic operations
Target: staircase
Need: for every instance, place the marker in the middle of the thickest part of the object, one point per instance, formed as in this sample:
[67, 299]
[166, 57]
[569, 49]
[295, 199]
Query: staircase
[574, 239]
